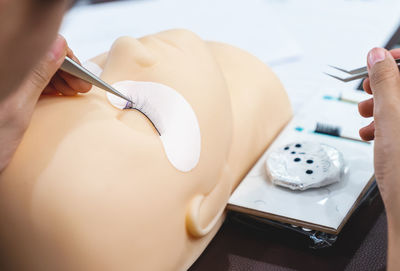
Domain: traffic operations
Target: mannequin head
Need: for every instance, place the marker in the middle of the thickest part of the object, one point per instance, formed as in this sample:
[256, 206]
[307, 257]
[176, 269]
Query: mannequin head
[98, 190]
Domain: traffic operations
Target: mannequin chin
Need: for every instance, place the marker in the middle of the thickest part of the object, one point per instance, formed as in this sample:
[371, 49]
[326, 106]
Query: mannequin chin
[93, 186]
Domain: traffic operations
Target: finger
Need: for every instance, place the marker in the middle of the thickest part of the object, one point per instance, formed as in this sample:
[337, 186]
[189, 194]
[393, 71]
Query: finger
[367, 133]
[366, 108]
[50, 90]
[61, 86]
[71, 55]
[75, 83]
[385, 83]
[52, 93]
[366, 86]
[43, 72]
[395, 53]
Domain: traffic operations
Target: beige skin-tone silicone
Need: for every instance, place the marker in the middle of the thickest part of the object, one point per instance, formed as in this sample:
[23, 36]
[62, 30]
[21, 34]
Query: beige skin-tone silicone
[90, 187]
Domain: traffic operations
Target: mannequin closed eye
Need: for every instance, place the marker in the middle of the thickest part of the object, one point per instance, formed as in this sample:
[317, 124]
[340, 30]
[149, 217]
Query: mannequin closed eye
[147, 110]
[141, 105]
[171, 115]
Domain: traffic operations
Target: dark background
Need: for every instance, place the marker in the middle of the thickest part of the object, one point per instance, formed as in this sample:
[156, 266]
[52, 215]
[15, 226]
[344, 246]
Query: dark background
[360, 246]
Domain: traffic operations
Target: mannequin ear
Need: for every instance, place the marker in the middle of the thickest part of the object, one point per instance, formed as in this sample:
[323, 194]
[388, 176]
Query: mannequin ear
[205, 211]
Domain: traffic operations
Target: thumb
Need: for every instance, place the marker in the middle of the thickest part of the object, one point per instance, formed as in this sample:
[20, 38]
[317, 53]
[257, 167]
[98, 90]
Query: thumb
[46, 68]
[385, 82]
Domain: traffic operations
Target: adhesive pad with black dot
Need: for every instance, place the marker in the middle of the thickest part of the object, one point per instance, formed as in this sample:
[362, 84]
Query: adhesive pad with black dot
[318, 166]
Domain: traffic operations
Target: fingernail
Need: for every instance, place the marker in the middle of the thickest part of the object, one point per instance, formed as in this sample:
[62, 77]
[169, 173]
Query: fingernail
[376, 55]
[57, 50]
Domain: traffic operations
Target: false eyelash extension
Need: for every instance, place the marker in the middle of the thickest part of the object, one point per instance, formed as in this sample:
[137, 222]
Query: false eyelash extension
[322, 128]
[129, 105]
[144, 107]
[332, 130]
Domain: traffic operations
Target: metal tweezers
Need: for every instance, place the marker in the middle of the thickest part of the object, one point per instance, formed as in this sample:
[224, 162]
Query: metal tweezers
[73, 68]
[356, 73]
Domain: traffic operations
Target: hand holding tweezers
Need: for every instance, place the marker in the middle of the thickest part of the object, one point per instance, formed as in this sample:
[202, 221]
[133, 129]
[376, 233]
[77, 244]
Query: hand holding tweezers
[356, 73]
[73, 68]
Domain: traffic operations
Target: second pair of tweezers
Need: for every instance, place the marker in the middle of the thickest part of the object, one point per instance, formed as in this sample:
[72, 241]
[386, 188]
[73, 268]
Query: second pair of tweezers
[356, 73]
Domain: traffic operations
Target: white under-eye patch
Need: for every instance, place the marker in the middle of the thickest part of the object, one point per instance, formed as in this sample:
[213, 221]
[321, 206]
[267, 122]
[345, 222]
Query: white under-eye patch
[171, 115]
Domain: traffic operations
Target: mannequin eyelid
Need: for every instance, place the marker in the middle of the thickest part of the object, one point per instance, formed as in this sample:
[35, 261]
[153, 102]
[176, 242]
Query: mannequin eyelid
[143, 108]
[152, 123]
[170, 114]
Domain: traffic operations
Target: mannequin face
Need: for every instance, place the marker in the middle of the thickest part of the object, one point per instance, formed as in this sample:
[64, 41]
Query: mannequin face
[195, 75]
[99, 191]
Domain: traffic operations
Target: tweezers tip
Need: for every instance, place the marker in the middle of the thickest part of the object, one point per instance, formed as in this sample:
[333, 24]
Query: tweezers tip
[340, 69]
[336, 77]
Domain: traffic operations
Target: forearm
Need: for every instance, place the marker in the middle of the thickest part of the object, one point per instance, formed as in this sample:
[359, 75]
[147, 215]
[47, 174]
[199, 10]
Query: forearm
[393, 259]
[392, 205]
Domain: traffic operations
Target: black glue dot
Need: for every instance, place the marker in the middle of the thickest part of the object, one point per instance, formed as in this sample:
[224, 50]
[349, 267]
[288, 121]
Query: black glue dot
[310, 161]
[286, 148]
[298, 145]
[309, 171]
[297, 159]
[293, 152]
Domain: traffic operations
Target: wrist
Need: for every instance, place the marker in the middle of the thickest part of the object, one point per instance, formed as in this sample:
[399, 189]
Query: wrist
[392, 208]
[389, 188]
[393, 261]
